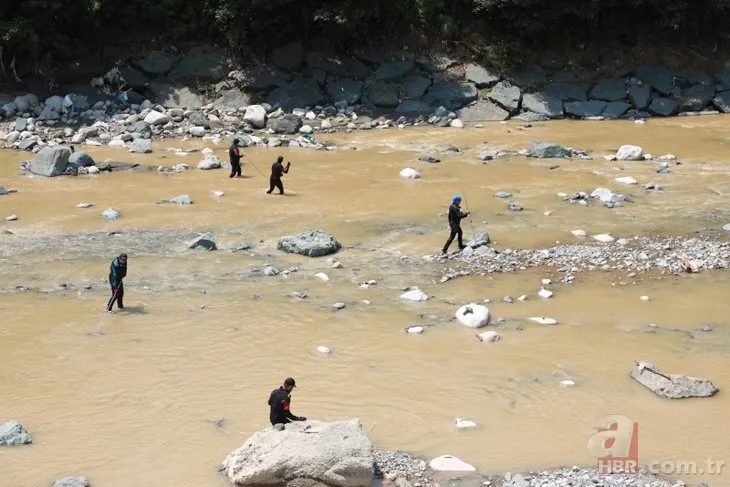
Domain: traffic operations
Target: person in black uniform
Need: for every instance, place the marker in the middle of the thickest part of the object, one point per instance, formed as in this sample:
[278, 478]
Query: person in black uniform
[455, 217]
[277, 171]
[234, 155]
[280, 401]
[117, 272]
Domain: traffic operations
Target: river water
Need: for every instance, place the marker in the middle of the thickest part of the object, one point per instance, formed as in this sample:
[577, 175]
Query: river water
[134, 398]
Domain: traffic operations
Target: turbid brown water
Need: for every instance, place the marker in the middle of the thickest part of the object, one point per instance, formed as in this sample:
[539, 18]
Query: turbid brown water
[131, 398]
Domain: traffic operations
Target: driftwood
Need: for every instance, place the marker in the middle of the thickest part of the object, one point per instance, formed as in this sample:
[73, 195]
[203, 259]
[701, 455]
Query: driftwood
[671, 386]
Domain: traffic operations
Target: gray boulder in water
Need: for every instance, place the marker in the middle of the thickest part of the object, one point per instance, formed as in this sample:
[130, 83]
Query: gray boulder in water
[315, 243]
[50, 161]
[547, 150]
[81, 159]
[671, 386]
[304, 454]
[76, 481]
[12, 433]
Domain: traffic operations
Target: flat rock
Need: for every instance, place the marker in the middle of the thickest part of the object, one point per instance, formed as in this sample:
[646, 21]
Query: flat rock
[448, 463]
[50, 161]
[336, 454]
[183, 199]
[506, 95]
[567, 91]
[585, 109]
[658, 77]
[671, 386]
[415, 295]
[547, 150]
[451, 95]
[483, 111]
[13, 433]
[615, 109]
[609, 90]
[542, 104]
[543, 320]
[73, 481]
[314, 243]
[503, 194]
[482, 77]
[626, 180]
[603, 238]
[473, 315]
[664, 107]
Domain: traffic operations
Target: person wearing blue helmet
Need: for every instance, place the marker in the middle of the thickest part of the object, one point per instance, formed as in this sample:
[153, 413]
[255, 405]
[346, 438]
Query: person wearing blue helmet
[455, 217]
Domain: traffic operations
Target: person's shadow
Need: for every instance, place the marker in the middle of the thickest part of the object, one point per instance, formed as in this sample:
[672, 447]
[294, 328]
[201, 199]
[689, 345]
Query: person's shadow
[134, 310]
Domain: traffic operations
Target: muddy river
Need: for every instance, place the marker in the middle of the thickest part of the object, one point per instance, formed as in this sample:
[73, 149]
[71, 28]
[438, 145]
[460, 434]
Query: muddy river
[136, 397]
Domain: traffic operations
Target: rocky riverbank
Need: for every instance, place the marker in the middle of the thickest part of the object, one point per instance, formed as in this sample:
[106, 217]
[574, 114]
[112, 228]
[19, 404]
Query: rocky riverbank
[295, 91]
[640, 254]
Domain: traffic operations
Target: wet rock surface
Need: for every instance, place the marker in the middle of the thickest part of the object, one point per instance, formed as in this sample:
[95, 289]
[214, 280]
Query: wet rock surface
[671, 386]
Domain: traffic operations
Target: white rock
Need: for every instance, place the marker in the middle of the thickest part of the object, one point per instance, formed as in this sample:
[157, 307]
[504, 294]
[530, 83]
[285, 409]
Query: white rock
[197, 131]
[630, 153]
[544, 320]
[93, 170]
[11, 218]
[326, 124]
[256, 116]
[567, 383]
[644, 298]
[626, 180]
[337, 265]
[117, 143]
[622, 241]
[546, 282]
[464, 423]
[416, 329]
[156, 118]
[579, 233]
[448, 463]
[457, 124]
[414, 295]
[209, 162]
[324, 350]
[218, 194]
[306, 129]
[603, 237]
[603, 194]
[489, 337]
[523, 298]
[473, 315]
[409, 173]
[544, 293]
[668, 157]
[84, 205]
[322, 276]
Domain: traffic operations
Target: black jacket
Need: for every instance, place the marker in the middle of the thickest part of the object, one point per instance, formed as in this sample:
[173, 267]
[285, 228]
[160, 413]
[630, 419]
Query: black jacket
[117, 272]
[234, 154]
[455, 216]
[279, 402]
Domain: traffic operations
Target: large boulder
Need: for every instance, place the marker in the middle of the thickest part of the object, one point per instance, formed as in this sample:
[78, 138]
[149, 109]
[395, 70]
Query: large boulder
[542, 104]
[473, 315]
[415, 87]
[304, 454]
[585, 109]
[314, 243]
[211, 66]
[664, 107]
[50, 161]
[394, 70]
[345, 90]
[658, 77]
[12, 433]
[297, 94]
[451, 95]
[256, 116]
[481, 76]
[231, 100]
[288, 124]
[483, 111]
[547, 150]
[155, 64]
[630, 153]
[671, 386]
[289, 57]
[81, 159]
[173, 95]
[337, 65]
[567, 91]
[609, 90]
[696, 97]
[383, 95]
[507, 96]
[640, 97]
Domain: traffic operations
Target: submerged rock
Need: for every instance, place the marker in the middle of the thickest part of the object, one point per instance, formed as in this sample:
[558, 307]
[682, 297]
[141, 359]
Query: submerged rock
[336, 454]
[547, 150]
[314, 243]
[110, 214]
[671, 386]
[75, 481]
[13, 433]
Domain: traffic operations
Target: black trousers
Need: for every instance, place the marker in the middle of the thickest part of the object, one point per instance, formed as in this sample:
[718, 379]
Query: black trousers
[117, 297]
[455, 231]
[275, 183]
[235, 169]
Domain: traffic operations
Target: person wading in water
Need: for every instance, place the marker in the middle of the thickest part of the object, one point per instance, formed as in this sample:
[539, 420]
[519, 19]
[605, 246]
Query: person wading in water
[117, 272]
[234, 155]
[277, 171]
[455, 217]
